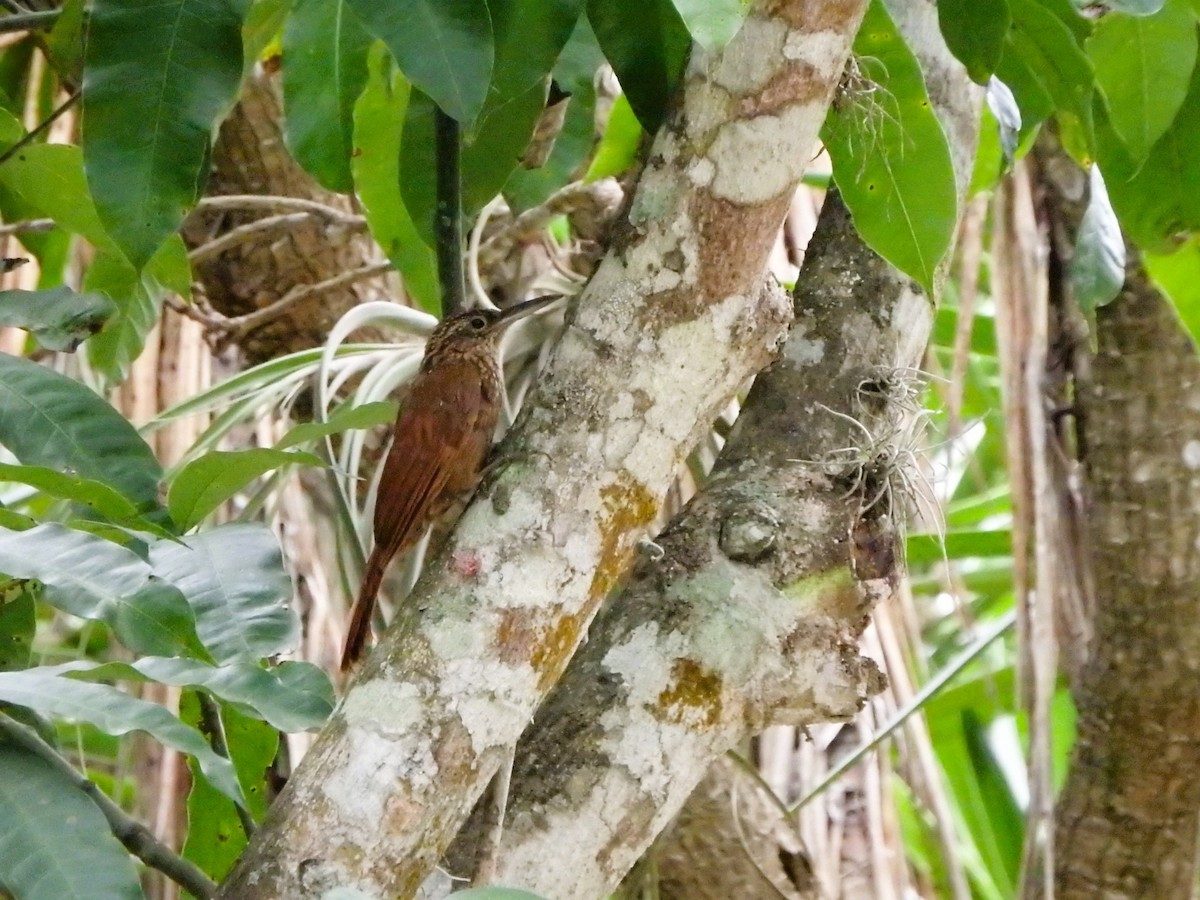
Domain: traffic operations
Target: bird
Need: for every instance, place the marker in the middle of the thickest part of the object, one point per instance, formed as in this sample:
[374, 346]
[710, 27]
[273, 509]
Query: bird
[441, 438]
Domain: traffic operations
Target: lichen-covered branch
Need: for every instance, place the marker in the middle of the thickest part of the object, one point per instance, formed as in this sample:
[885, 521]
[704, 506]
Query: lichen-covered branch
[674, 321]
[752, 613]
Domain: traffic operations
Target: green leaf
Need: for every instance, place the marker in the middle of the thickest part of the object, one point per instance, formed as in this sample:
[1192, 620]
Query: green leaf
[95, 495]
[1050, 51]
[1097, 271]
[890, 157]
[214, 836]
[379, 118]
[49, 177]
[1159, 200]
[17, 625]
[59, 318]
[324, 70]
[234, 578]
[1143, 67]
[263, 24]
[293, 696]
[56, 844]
[344, 418]
[492, 152]
[619, 143]
[114, 712]
[530, 34]
[46, 419]
[157, 79]
[64, 42]
[974, 31]
[647, 43]
[205, 483]
[115, 348]
[712, 23]
[444, 47]
[11, 129]
[90, 577]
[924, 549]
[574, 73]
[1177, 275]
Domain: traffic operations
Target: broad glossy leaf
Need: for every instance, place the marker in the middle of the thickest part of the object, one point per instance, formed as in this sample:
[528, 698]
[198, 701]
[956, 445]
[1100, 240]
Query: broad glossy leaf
[324, 70]
[293, 696]
[47, 419]
[647, 43]
[59, 318]
[17, 625]
[1159, 200]
[1050, 51]
[344, 418]
[974, 31]
[444, 47]
[157, 79]
[234, 578]
[1097, 270]
[49, 177]
[712, 23]
[114, 712]
[64, 42]
[214, 836]
[95, 495]
[379, 118]
[530, 34]
[493, 151]
[1143, 66]
[924, 549]
[618, 145]
[1177, 275]
[205, 483]
[890, 157]
[55, 843]
[90, 577]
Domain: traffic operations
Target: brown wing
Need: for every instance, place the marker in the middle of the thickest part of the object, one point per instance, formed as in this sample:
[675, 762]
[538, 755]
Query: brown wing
[441, 436]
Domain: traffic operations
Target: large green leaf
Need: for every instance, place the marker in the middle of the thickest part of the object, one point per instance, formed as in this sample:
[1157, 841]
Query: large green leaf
[1177, 275]
[617, 149]
[215, 837]
[205, 483]
[18, 622]
[712, 23]
[114, 712]
[1048, 48]
[890, 157]
[444, 47]
[1143, 66]
[58, 317]
[1159, 200]
[378, 125]
[530, 34]
[90, 577]
[47, 419]
[1097, 270]
[49, 177]
[95, 495]
[974, 31]
[647, 43]
[293, 696]
[324, 70]
[55, 843]
[233, 577]
[157, 78]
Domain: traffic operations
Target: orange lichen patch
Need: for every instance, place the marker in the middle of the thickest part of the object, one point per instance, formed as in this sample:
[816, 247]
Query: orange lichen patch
[628, 507]
[515, 636]
[551, 653]
[742, 232]
[694, 695]
[798, 82]
[831, 15]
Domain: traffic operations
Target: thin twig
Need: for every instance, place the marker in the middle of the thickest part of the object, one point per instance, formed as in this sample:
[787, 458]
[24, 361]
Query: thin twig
[250, 321]
[447, 217]
[275, 201]
[26, 226]
[214, 727]
[136, 837]
[530, 222]
[27, 21]
[250, 230]
[42, 126]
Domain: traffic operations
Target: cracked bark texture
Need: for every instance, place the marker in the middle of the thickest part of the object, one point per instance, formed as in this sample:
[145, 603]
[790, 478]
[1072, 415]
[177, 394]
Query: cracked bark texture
[674, 321]
[1126, 821]
[751, 616]
[250, 158]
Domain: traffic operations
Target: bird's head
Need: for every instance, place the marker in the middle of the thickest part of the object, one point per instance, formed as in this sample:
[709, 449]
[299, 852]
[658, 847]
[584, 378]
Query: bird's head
[477, 329]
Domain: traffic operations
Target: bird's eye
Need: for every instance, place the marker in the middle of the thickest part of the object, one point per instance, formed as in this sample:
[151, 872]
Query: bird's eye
[478, 322]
